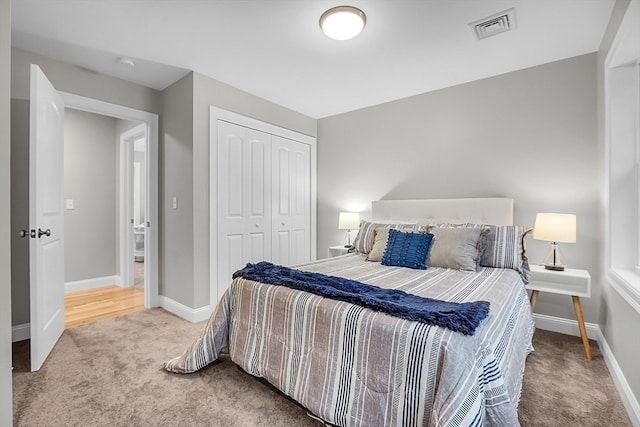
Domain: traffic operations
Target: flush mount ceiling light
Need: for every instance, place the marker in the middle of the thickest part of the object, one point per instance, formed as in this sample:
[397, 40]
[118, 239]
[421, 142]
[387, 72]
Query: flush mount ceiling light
[342, 22]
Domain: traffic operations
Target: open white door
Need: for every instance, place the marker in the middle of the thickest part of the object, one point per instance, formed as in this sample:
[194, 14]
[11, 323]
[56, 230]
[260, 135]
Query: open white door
[46, 216]
[127, 242]
[128, 217]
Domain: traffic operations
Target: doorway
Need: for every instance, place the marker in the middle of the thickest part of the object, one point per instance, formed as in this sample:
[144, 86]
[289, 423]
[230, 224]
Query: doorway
[105, 227]
[145, 131]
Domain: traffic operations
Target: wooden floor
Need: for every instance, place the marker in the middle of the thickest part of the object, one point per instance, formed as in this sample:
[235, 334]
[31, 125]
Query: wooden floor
[85, 307]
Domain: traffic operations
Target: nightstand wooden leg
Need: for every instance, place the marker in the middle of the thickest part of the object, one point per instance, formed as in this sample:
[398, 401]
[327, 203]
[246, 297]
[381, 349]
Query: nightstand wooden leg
[583, 330]
[534, 298]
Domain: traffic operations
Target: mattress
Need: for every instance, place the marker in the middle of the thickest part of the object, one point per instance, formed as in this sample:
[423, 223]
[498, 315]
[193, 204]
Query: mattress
[352, 366]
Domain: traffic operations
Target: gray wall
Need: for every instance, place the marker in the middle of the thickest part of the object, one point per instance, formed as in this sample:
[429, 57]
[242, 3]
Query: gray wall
[67, 78]
[176, 180]
[70, 78]
[90, 181]
[6, 401]
[530, 135]
[618, 320]
[19, 211]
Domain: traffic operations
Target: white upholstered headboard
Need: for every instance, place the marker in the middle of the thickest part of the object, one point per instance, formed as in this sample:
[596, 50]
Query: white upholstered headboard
[495, 211]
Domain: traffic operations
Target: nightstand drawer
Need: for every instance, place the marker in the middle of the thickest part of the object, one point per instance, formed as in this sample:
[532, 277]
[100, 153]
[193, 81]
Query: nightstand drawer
[568, 282]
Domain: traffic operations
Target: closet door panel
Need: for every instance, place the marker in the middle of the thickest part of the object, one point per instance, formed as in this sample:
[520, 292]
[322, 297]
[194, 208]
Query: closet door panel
[281, 204]
[292, 200]
[258, 196]
[244, 199]
[302, 202]
[301, 186]
[281, 184]
[258, 180]
[300, 181]
[234, 165]
[231, 201]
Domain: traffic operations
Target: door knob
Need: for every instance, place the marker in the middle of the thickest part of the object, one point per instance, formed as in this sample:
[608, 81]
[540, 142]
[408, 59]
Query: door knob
[27, 233]
[46, 232]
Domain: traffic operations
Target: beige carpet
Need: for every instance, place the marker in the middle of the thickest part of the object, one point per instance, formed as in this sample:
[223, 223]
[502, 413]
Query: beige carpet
[562, 388]
[109, 374]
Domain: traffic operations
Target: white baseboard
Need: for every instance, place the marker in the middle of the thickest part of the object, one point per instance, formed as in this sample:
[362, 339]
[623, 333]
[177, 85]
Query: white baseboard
[84, 285]
[20, 332]
[570, 327]
[192, 315]
[626, 394]
[565, 326]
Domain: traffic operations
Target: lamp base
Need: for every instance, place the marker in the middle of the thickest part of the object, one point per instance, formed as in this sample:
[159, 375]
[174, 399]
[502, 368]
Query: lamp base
[348, 245]
[554, 259]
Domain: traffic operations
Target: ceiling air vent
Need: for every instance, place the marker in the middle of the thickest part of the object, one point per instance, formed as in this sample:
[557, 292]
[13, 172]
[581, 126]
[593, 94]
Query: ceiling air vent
[494, 24]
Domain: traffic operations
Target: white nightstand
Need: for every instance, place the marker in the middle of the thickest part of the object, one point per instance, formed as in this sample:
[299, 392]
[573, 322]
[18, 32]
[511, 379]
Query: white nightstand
[572, 282]
[337, 250]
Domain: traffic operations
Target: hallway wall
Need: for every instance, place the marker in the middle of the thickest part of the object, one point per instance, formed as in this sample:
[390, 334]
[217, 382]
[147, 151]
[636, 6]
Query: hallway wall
[90, 169]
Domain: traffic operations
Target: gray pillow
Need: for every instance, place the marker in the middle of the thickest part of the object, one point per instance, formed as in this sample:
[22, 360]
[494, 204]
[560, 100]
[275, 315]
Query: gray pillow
[457, 248]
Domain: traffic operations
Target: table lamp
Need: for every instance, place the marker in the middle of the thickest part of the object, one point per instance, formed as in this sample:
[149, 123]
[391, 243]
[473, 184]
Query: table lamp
[348, 221]
[555, 228]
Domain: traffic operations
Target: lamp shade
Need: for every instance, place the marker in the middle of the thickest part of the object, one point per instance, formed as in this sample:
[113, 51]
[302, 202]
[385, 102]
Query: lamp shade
[554, 227]
[349, 221]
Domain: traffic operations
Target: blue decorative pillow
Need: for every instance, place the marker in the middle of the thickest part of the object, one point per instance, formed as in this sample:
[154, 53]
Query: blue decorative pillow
[406, 249]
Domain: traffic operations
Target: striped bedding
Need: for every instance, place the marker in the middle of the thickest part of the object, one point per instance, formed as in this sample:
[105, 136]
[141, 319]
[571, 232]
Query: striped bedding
[352, 366]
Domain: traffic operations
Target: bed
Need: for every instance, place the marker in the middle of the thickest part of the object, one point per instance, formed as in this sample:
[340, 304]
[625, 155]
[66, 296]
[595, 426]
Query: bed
[352, 366]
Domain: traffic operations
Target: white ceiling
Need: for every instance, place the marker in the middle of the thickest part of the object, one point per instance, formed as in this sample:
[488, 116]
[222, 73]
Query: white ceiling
[275, 49]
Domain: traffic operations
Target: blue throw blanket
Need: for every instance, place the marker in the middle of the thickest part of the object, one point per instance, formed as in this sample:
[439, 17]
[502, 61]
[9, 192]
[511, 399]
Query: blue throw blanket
[460, 317]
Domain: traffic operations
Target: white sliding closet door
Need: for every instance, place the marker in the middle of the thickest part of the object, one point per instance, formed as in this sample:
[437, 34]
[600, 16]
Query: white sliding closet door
[263, 196]
[291, 188]
[244, 199]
